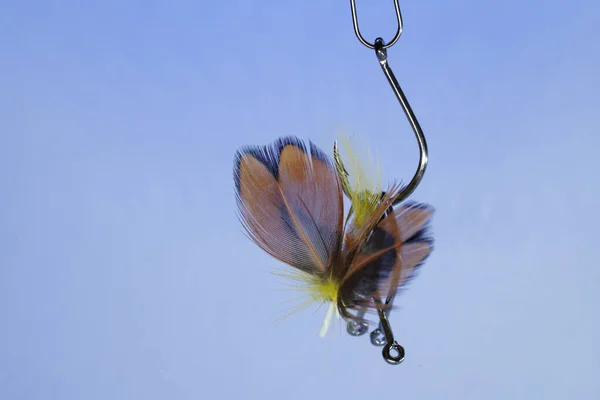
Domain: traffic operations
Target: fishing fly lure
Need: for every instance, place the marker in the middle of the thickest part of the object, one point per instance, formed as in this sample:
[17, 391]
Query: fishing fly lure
[290, 198]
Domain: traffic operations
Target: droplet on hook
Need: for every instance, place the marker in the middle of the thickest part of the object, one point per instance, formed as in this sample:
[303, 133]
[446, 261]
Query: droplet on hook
[356, 328]
[378, 337]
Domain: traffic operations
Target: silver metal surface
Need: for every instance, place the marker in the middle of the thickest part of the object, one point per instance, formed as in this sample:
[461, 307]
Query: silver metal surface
[392, 352]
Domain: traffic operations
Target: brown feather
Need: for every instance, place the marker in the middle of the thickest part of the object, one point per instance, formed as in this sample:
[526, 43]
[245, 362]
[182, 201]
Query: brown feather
[404, 223]
[357, 236]
[290, 203]
[412, 218]
[387, 261]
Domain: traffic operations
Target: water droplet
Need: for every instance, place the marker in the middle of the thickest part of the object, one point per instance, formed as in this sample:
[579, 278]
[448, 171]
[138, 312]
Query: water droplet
[357, 328]
[378, 337]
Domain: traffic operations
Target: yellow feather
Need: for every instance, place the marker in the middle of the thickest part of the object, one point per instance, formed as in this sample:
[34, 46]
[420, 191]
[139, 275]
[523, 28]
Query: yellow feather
[317, 290]
[363, 193]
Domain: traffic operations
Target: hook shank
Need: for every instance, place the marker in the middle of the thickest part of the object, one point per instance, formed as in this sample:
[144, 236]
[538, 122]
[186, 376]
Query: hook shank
[381, 53]
[391, 344]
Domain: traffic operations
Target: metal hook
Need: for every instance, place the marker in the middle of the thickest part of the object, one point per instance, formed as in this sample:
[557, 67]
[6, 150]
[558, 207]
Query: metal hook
[381, 51]
[360, 36]
[391, 344]
[380, 48]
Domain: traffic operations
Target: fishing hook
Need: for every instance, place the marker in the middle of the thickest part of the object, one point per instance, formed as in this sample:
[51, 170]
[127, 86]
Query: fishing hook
[380, 48]
[383, 335]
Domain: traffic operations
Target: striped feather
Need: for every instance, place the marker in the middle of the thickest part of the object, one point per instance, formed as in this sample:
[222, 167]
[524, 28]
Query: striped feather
[290, 203]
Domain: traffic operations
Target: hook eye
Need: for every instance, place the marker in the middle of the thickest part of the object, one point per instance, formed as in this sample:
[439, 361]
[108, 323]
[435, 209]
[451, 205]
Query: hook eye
[360, 36]
[397, 350]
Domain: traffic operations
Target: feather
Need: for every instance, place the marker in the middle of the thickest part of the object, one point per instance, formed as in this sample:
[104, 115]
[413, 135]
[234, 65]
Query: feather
[357, 235]
[363, 193]
[409, 226]
[370, 267]
[396, 247]
[290, 203]
[412, 218]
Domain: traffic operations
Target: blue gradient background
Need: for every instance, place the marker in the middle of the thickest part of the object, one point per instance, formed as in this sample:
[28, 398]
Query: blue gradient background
[123, 270]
